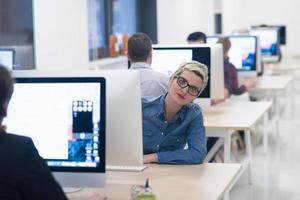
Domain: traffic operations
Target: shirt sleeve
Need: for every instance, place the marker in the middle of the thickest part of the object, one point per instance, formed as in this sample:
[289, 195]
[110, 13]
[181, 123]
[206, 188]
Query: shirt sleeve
[227, 79]
[38, 182]
[153, 88]
[196, 151]
[239, 90]
[234, 85]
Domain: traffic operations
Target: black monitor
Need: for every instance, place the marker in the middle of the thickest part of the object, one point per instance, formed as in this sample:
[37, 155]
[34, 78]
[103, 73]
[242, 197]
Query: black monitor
[7, 58]
[167, 58]
[65, 117]
[282, 34]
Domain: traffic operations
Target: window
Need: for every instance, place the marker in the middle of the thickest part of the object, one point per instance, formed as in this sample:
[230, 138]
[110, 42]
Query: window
[16, 31]
[107, 17]
[96, 25]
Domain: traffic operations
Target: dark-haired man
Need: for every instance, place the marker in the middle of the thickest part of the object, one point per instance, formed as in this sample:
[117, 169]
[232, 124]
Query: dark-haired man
[140, 57]
[196, 38]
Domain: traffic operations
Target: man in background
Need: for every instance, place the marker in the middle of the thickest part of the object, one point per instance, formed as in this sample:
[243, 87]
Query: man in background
[196, 38]
[140, 57]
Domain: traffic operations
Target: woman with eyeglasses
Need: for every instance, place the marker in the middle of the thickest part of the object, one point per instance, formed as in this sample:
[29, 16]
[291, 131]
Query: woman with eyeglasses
[173, 131]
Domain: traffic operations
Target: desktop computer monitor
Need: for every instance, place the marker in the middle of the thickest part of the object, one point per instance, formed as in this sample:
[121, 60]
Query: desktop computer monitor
[269, 42]
[167, 58]
[244, 53]
[282, 32]
[124, 138]
[7, 58]
[65, 117]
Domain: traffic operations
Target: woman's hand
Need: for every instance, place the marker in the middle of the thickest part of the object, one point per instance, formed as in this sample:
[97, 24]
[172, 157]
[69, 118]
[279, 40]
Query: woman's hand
[150, 158]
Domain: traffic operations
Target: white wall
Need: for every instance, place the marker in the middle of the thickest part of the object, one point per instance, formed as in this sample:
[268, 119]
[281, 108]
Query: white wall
[244, 13]
[177, 18]
[60, 34]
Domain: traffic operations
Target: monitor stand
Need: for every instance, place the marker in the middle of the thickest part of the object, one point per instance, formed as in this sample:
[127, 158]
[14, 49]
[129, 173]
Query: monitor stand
[125, 168]
[270, 59]
[68, 190]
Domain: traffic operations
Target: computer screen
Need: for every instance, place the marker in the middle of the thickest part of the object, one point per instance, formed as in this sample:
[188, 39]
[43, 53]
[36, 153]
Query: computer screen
[282, 32]
[242, 52]
[65, 117]
[269, 40]
[7, 58]
[167, 58]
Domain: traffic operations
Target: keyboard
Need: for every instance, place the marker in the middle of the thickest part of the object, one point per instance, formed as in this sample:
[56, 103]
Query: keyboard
[125, 168]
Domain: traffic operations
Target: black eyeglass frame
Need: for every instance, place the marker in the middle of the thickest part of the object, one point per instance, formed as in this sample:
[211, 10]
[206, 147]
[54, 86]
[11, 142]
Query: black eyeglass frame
[188, 85]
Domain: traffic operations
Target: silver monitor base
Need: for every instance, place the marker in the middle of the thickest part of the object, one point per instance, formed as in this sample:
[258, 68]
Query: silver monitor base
[125, 168]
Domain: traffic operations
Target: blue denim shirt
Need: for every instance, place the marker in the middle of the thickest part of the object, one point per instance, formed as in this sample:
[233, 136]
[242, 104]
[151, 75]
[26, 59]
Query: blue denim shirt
[168, 139]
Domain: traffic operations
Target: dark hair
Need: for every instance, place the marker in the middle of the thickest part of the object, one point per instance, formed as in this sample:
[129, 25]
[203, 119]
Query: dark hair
[139, 47]
[6, 89]
[195, 36]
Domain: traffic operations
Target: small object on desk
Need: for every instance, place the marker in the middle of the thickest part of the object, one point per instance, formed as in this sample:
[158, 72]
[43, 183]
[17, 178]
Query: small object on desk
[275, 74]
[142, 192]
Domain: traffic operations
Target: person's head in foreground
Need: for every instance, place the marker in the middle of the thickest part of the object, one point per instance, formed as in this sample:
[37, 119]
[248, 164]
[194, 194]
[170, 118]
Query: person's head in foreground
[187, 82]
[172, 121]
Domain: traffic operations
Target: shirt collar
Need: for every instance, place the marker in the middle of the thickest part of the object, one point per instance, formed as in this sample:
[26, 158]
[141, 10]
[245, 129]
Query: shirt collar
[140, 65]
[161, 110]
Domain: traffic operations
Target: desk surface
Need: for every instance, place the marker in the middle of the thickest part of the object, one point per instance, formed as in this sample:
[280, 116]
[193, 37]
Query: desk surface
[283, 67]
[234, 115]
[182, 182]
[272, 82]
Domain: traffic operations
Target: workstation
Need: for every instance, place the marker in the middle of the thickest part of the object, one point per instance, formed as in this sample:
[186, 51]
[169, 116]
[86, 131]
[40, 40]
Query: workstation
[79, 95]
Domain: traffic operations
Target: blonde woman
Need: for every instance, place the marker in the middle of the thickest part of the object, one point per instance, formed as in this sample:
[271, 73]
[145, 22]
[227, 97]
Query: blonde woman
[172, 121]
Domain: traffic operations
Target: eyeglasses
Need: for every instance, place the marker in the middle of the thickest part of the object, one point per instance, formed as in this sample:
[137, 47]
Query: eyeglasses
[183, 83]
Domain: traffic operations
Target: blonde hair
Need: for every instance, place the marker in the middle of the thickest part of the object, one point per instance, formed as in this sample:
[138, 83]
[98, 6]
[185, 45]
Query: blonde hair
[198, 68]
[226, 44]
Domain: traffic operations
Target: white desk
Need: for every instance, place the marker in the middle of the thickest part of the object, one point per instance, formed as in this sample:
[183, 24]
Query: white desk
[269, 87]
[272, 83]
[221, 120]
[170, 182]
[283, 67]
[287, 69]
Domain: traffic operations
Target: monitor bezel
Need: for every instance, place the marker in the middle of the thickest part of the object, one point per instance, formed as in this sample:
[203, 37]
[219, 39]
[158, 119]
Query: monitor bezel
[13, 55]
[102, 128]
